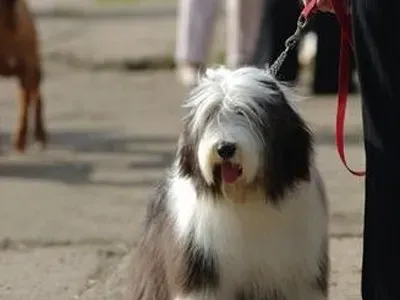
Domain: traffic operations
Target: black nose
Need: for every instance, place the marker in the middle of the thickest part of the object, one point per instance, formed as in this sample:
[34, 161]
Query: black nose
[226, 150]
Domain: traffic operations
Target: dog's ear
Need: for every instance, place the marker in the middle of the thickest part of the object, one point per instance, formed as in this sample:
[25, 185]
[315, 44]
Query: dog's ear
[185, 155]
[289, 150]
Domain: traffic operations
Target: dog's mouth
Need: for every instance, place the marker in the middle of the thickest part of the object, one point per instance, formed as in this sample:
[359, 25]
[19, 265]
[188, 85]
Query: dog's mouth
[229, 172]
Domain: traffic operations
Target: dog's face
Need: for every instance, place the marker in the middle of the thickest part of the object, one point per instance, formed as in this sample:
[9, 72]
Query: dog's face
[241, 135]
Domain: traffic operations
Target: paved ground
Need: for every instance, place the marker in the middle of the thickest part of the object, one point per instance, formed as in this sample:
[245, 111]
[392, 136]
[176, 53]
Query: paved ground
[69, 216]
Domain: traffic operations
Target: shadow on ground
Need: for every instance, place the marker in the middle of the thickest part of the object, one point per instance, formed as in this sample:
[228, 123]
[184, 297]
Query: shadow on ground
[325, 137]
[94, 150]
[90, 151]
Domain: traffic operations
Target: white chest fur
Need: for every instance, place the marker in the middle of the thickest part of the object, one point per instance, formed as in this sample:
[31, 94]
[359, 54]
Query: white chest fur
[255, 242]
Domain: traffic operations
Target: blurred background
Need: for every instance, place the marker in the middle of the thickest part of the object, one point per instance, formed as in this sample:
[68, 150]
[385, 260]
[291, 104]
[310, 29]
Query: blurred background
[115, 75]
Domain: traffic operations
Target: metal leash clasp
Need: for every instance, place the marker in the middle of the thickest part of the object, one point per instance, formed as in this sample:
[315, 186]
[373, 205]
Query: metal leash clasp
[290, 43]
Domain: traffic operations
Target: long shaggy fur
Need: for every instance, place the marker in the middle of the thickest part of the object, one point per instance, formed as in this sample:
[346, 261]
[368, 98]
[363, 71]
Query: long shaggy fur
[262, 234]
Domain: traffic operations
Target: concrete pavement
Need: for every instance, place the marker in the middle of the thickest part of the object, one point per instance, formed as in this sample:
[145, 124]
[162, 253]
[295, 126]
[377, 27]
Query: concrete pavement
[102, 8]
[88, 34]
[119, 43]
[69, 217]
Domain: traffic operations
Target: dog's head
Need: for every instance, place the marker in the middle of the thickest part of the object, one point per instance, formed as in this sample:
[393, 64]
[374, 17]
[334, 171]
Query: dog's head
[241, 134]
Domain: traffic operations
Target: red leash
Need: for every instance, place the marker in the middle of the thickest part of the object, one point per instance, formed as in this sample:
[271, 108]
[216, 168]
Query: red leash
[343, 17]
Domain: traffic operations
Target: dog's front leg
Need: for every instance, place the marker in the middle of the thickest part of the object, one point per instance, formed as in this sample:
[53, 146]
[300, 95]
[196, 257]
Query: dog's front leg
[30, 94]
[22, 125]
[194, 272]
[40, 131]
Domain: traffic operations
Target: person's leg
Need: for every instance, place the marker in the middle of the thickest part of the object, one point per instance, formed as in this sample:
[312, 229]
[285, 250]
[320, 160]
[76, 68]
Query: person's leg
[278, 22]
[376, 24]
[326, 66]
[196, 19]
[242, 23]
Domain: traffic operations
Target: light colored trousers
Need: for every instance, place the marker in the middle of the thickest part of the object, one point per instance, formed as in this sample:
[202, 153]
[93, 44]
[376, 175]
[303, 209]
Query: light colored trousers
[196, 20]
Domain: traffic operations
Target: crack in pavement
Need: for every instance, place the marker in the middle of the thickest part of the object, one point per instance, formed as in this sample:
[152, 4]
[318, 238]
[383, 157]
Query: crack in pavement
[123, 64]
[107, 265]
[7, 244]
[107, 12]
[346, 235]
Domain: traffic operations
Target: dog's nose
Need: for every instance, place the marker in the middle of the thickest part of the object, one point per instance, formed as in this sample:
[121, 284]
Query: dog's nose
[226, 150]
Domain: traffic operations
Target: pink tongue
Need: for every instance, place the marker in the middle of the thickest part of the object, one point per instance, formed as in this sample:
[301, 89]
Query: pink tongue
[229, 172]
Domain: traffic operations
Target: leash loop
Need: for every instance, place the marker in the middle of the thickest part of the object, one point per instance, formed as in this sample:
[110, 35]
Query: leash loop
[345, 50]
[346, 44]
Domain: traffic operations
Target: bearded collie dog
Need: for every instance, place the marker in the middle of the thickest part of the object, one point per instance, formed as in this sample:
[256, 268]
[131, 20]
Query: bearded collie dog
[242, 211]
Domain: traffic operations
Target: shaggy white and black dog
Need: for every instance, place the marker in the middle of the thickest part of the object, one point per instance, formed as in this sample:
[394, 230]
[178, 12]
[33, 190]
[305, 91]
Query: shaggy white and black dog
[242, 213]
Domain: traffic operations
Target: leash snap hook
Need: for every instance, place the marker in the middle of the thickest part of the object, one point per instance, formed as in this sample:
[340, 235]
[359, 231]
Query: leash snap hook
[295, 37]
[301, 22]
[290, 43]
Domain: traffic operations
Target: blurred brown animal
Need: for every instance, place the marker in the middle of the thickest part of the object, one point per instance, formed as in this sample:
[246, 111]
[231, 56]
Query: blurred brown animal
[19, 57]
